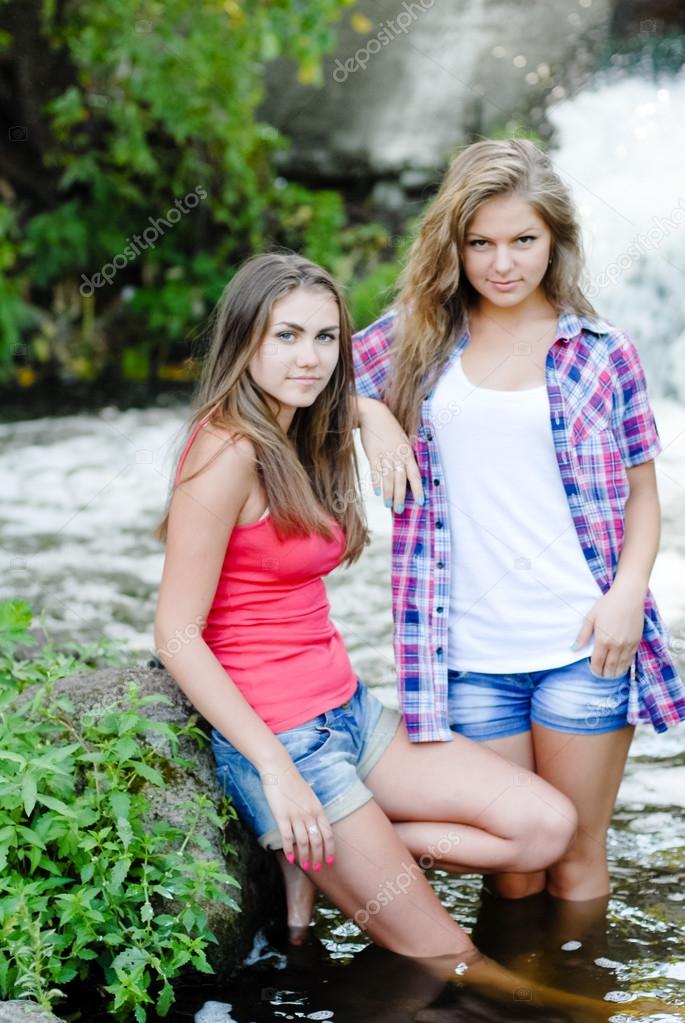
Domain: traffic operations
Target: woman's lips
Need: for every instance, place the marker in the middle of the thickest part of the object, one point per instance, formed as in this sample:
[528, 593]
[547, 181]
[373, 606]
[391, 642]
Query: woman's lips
[504, 285]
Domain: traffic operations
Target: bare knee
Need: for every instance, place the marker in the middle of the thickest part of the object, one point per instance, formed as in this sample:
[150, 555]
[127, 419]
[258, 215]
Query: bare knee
[547, 833]
[582, 873]
[516, 886]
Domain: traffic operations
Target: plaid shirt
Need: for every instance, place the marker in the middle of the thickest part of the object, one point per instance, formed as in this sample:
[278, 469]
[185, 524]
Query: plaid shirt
[601, 424]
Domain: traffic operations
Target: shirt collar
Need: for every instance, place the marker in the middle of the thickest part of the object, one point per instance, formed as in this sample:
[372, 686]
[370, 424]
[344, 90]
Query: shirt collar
[569, 325]
[572, 324]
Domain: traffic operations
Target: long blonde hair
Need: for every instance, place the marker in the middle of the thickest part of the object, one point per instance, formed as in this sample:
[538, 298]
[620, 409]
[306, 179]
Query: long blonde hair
[310, 474]
[434, 295]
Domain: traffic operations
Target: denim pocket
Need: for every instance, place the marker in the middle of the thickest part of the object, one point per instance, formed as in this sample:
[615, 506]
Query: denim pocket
[605, 678]
[221, 747]
[304, 743]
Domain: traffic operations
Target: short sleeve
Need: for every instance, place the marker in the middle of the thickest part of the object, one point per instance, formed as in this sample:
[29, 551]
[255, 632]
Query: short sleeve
[632, 421]
[371, 356]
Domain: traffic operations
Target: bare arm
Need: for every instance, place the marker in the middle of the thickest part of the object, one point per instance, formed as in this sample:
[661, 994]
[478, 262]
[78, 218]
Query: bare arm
[617, 618]
[202, 515]
[389, 452]
[642, 530]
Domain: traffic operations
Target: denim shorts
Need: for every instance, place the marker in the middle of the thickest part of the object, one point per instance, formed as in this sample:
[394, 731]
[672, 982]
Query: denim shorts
[567, 699]
[333, 751]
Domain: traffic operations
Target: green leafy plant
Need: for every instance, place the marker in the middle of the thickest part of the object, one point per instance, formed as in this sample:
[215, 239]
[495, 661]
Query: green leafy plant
[141, 107]
[90, 886]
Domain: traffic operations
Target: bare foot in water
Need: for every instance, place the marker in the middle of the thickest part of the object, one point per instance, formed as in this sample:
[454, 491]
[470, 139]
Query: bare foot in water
[300, 894]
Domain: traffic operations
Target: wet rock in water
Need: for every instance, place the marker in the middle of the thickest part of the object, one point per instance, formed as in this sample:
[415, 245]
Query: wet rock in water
[23, 1011]
[260, 895]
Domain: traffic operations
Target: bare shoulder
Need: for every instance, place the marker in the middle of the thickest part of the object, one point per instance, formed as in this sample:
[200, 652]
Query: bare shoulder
[217, 447]
[219, 469]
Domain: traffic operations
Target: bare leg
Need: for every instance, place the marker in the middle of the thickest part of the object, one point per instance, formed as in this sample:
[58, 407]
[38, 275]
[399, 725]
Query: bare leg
[588, 769]
[461, 804]
[376, 882]
[428, 842]
[518, 749]
[300, 895]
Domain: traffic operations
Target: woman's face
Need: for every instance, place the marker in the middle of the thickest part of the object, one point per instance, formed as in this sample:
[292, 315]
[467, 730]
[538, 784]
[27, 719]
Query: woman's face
[299, 351]
[506, 251]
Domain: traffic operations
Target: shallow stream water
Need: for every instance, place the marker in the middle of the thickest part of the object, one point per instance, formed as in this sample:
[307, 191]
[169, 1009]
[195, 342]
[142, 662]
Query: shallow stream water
[82, 493]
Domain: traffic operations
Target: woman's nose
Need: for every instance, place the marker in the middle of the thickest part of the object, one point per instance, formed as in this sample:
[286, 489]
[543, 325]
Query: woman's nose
[503, 258]
[307, 354]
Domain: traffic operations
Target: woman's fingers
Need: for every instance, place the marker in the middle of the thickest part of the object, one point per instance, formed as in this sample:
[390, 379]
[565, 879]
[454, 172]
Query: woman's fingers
[313, 840]
[414, 477]
[287, 839]
[302, 844]
[400, 486]
[315, 844]
[327, 838]
[393, 472]
[387, 474]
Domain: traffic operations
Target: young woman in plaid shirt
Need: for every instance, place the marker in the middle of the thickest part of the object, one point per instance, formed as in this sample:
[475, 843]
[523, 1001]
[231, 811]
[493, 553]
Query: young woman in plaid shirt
[522, 613]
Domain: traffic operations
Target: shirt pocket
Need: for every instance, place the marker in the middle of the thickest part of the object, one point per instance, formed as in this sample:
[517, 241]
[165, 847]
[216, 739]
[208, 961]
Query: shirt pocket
[590, 412]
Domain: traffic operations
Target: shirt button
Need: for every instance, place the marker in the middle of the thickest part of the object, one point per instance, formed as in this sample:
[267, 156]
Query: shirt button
[438, 524]
[439, 610]
[441, 564]
[439, 651]
[436, 483]
[429, 436]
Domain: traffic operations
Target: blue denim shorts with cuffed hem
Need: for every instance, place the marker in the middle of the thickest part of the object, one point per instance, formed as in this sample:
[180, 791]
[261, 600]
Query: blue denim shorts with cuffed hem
[568, 699]
[333, 751]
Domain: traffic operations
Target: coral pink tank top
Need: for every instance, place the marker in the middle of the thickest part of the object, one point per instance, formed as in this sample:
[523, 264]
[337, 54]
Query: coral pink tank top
[269, 624]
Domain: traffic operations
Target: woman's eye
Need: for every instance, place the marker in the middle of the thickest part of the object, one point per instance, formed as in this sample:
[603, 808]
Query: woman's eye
[285, 335]
[477, 242]
[327, 337]
[528, 238]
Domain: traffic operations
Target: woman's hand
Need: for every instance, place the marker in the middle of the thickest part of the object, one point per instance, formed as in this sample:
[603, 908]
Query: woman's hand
[390, 454]
[617, 620]
[307, 836]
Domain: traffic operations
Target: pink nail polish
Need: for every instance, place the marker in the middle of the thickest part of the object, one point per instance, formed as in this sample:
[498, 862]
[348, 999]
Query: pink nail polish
[290, 857]
[330, 860]
[317, 866]
[305, 865]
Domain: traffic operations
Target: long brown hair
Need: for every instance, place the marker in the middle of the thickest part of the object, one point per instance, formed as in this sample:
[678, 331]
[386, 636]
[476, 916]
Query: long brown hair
[310, 474]
[434, 295]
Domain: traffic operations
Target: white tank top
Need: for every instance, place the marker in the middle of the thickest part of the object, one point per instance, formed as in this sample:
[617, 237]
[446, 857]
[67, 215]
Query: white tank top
[519, 582]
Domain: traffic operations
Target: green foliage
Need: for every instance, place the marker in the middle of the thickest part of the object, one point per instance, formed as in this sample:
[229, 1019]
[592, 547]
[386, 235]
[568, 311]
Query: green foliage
[90, 886]
[161, 103]
[371, 296]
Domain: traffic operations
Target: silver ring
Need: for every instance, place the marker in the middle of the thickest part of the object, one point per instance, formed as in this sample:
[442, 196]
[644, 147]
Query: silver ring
[313, 830]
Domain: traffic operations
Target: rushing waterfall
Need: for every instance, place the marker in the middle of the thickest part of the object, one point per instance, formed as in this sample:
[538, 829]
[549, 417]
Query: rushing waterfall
[622, 146]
